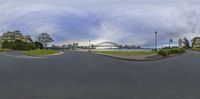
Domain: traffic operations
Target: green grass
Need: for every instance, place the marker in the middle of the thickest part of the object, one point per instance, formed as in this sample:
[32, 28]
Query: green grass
[196, 49]
[40, 52]
[4, 50]
[126, 52]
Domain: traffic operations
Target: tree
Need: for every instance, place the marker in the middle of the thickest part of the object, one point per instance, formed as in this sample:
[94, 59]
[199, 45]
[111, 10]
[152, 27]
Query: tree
[186, 43]
[44, 38]
[195, 40]
[38, 45]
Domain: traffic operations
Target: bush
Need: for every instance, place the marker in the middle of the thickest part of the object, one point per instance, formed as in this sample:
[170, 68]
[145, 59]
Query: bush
[164, 52]
[18, 45]
[167, 52]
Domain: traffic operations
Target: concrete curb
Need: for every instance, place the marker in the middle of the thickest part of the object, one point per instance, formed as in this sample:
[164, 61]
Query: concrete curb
[56, 54]
[45, 56]
[128, 59]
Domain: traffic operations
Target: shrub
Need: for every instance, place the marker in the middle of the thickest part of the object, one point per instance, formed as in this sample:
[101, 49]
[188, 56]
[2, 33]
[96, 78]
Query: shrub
[167, 52]
[18, 45]
[164, 52]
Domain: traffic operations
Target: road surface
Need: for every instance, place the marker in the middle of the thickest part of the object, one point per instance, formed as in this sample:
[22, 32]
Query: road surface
[77, 75]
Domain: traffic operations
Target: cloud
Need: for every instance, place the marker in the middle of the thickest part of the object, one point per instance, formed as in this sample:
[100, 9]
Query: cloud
[125, 22]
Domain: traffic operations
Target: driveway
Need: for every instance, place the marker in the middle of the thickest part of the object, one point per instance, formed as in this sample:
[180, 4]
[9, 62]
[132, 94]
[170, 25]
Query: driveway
[78, 75]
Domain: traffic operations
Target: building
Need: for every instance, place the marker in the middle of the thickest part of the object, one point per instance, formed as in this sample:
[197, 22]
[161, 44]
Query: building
[196, 42]
[12, 36]
[75, 45]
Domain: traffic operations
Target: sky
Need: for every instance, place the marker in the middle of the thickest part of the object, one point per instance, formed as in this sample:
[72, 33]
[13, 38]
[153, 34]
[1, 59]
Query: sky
[130, 22]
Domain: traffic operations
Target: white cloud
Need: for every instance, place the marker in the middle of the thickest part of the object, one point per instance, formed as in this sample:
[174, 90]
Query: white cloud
[127, 21]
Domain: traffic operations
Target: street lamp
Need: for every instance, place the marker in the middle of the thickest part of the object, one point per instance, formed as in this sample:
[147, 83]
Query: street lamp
[89, 45]
[156, 33]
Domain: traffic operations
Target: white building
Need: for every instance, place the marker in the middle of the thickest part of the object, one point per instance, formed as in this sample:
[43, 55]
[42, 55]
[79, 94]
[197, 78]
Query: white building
[196, 42]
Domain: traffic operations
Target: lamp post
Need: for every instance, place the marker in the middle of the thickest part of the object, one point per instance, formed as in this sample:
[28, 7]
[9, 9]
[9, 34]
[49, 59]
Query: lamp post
[156, 33]
[89, 46]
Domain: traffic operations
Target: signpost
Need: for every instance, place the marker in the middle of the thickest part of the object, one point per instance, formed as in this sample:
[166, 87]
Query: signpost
[170, 41]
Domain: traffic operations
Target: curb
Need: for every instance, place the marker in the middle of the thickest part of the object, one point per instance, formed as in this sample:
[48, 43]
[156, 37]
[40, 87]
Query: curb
[60, 53]
[45, 56]
[153, 59]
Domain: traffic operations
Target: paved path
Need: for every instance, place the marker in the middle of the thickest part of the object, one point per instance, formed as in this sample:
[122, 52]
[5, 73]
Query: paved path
[76, 75]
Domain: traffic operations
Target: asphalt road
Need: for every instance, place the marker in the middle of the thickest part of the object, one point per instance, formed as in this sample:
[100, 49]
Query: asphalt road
[77, 75]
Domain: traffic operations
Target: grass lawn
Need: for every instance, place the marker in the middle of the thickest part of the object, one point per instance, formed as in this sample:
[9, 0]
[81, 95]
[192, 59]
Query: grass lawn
[4, 50]
[196, 49]
[40, 52]
[127, 52]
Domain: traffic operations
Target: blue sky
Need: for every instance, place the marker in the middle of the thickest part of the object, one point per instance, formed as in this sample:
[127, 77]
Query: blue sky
[122, 21]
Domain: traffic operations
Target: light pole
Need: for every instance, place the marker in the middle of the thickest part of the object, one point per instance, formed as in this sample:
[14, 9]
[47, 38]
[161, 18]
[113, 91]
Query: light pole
[156, 33]
[89, 46]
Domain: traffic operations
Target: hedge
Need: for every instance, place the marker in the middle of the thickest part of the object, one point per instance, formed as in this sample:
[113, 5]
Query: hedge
[18, 45]
[167, 52]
